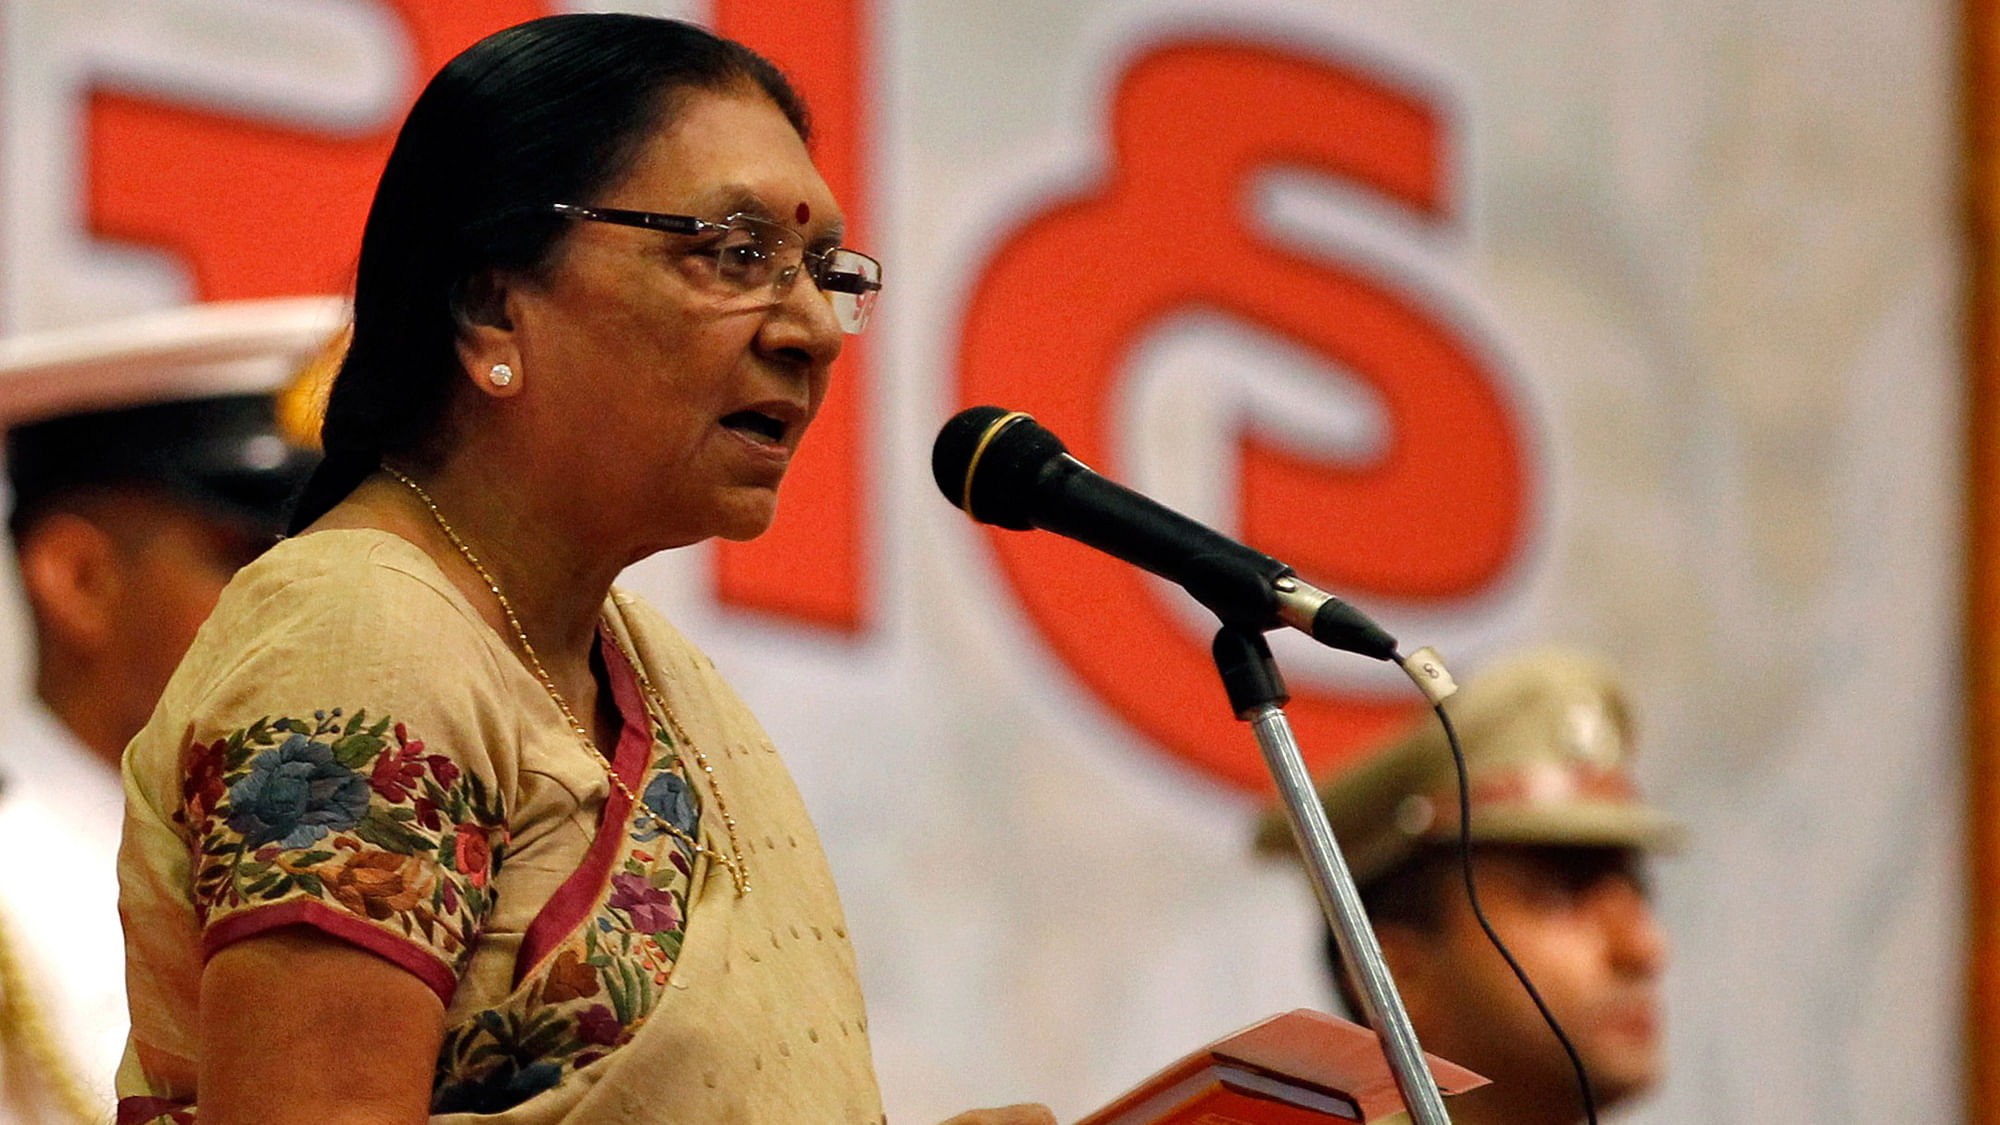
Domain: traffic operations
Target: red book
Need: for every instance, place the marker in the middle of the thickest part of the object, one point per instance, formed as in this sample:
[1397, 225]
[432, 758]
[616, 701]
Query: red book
[1299, 1068]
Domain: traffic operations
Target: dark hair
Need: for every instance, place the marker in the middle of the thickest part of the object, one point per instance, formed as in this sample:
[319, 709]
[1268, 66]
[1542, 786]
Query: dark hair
[550, 111]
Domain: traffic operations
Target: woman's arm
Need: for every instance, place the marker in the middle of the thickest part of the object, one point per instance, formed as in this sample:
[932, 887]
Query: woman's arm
[298, 1028]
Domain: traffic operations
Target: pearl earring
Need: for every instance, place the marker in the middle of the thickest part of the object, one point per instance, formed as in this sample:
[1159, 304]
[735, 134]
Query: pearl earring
[500, 375]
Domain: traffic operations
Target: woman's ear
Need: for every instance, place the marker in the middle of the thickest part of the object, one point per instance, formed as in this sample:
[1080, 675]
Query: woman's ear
[487, 350]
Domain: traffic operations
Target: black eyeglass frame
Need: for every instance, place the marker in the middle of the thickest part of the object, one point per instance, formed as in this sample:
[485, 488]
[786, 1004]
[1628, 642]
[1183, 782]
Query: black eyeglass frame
[815, 261]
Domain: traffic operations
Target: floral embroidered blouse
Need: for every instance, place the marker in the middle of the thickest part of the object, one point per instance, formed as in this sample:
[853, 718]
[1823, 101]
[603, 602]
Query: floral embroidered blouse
[349, 747]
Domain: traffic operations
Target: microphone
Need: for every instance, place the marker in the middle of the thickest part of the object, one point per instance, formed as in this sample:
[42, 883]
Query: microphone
[1004, 468]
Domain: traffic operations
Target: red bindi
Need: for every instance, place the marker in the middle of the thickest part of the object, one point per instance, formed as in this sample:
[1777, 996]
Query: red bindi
[804, 212]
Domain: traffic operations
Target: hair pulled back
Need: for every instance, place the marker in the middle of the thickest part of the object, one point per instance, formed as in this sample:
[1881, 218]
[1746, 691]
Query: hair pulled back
[549, 111]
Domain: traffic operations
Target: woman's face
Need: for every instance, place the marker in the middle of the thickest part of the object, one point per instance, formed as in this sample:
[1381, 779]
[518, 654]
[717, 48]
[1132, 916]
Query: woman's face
[660, 392]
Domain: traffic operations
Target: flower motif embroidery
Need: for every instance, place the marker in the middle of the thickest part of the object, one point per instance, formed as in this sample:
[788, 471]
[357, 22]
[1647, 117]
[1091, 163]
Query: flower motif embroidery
[669, 797]
[473, 853]
[652, 910]
[201, 776]
[363, 816]
[295, 794]
[601, 985]
[378, 884]
[499, 1089]
[395, 774]
[347, 812]
[570, 978]
[599, 1026]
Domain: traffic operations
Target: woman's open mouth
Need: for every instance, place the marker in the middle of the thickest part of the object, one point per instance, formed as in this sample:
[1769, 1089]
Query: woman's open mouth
[756, 424]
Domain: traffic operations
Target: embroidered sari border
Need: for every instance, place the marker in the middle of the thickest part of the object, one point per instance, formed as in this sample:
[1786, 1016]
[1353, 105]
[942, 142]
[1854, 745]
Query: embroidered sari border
[575, 900]
[420, 962]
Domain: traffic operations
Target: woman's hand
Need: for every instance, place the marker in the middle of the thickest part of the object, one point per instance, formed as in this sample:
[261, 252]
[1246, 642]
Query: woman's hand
[1024, 1114]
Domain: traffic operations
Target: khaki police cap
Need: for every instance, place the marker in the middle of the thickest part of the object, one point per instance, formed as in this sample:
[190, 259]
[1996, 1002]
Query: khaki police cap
[1547, 738]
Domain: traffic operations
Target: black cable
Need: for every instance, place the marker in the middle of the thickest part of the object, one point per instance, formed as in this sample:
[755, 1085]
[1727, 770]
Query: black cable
[1478, 912]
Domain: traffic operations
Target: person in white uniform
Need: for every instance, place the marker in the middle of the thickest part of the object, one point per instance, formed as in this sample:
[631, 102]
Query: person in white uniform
[146, 462]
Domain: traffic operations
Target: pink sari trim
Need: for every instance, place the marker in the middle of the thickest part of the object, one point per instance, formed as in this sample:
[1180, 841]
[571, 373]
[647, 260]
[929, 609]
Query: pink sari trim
[436, 975]
[576, 899]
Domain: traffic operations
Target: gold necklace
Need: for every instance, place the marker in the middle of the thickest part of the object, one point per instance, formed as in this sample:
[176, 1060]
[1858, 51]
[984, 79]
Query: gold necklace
[739, 874]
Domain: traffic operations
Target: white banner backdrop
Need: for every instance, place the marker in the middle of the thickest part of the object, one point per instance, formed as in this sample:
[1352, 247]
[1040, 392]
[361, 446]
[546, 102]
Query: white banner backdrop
[1704, 258]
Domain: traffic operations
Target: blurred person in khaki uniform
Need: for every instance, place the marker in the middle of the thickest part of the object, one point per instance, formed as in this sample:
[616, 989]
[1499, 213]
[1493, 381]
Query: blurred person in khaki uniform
[145, 463]
[1559, 842]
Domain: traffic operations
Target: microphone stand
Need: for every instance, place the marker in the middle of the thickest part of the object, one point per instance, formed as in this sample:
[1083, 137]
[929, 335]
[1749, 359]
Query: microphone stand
[1257, 693]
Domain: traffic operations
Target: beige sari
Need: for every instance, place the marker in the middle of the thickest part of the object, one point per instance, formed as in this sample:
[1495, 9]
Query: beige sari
[349, 747]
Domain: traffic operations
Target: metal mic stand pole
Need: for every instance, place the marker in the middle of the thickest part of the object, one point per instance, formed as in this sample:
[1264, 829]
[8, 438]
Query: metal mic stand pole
[1257, 693]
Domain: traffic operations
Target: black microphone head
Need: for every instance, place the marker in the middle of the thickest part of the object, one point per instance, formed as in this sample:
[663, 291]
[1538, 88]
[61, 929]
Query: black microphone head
[986, 460]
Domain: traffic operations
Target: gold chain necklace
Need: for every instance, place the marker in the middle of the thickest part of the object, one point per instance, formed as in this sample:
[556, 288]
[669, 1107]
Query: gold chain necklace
[732, 863]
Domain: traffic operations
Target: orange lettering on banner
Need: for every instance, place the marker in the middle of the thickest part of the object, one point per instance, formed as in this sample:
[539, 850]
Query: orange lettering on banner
[250, 208]
[1054, 319]
[812, 564]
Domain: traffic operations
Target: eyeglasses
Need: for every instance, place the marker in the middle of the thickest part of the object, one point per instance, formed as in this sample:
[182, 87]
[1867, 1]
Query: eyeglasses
[761, 259]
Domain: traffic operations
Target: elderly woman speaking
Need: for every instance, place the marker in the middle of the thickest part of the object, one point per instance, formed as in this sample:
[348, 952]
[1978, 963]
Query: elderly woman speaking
[433, 823]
